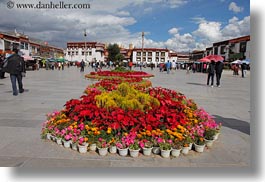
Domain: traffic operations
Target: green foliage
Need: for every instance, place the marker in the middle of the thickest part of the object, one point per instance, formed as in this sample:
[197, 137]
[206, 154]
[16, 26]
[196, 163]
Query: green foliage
[209, 134]
[126, 97]
[114, 51]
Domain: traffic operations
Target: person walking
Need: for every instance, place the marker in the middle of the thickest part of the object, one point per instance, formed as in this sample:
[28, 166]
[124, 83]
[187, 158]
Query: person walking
[168, 65]
[16, 68]
[82, 65]
[243, 68]
[2, 73]
[211, 71]
[218, 71]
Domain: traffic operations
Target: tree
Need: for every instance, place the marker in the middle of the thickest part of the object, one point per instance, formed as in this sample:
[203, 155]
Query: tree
[114, 51]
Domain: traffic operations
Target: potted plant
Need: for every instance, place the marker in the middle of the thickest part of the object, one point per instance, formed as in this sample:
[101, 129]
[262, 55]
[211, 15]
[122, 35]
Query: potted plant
[122, 148]
[82, 144]
[209, 136]
[165, 148]
[102, 146]
[134, 149]
[186, 144]
[67, 140]
[176, 148]
[147, 146]
[199, 144]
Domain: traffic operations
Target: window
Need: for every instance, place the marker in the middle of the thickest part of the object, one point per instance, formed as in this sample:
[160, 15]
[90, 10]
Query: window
[157, 59]
[26, 46]
[222, 49]
[149, 53]
[157, 53]
[83, 53]
[69, 53]
[76, 53]
[215, 50]
[243, 46]
[90, 53]
[162, 59]
[144, 59]
[149, 59]
[163, 54]
[138, 54]
[138, 59]
[144, 53]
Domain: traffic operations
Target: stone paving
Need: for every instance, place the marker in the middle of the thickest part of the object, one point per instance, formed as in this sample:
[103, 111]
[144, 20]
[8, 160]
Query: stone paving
[21, 119]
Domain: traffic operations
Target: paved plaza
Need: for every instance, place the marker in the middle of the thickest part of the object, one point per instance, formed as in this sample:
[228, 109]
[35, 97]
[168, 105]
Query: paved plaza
[21, 119]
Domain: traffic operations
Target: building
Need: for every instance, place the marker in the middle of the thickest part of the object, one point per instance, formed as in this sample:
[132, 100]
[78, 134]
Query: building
[88, 51]
[27, 45]
[230, 50]
[150, 55]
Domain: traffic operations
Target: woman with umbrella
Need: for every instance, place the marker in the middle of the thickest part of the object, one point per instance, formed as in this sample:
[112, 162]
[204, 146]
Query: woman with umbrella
[211, 71]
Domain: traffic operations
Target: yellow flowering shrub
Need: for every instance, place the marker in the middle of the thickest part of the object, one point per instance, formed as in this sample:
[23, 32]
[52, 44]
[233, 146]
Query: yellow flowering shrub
[126, 97]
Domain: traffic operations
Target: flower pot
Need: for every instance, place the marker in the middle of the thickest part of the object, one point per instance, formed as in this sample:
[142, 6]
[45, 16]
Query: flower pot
[123, 152]
[103, 151]
[165, 153]
[175, 152]
[209, 143]
[59, 141]
[134, 153]
[93, 147]
[82, 148]
[199, 148]
[48, 136]
[216, 136]
[67, 143]
[74, 146]
[147, 151]
[156, 150]
[185, 150]
[113, 149]
[190, 146]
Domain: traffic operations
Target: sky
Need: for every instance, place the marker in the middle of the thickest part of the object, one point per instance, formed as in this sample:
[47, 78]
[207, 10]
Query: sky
[179, 25]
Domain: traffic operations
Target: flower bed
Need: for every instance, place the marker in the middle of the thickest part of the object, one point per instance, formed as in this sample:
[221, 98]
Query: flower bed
[121, 113]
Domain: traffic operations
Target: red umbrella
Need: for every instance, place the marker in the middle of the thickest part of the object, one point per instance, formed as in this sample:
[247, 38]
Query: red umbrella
[215, 58]
[205, 60]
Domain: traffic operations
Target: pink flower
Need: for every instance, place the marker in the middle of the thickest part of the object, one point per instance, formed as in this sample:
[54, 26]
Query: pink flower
[67, 137]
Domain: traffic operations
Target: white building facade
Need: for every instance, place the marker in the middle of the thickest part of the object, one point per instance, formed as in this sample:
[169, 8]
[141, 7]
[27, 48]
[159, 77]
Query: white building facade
[87, 51]
[150, 55]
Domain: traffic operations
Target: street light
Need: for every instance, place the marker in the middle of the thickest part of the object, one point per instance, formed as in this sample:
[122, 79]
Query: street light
[85, 43]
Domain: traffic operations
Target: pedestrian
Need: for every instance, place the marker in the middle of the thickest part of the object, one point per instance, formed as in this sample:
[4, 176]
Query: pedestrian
[2, 73]
[161, 65]
[16, 68]
[243, 68]
[130, 65]
[168, 65]
[193, 67]
[218, 71]
[82, 66]
[211, 70]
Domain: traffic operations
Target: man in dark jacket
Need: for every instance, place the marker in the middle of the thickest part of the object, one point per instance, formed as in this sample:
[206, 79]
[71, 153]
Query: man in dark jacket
[218, 70]
[211, 71]
[16, 67]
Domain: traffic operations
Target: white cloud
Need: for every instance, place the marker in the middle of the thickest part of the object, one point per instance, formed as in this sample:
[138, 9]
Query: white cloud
[173, 31]
[237, 27]
[209, 31]
[236, 9]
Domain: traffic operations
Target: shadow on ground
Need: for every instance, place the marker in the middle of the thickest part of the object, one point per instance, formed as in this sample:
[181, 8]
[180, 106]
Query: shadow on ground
[235, 124]
[199, 84]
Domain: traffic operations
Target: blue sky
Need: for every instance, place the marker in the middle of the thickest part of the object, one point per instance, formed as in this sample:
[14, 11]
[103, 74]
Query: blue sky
[180, 25]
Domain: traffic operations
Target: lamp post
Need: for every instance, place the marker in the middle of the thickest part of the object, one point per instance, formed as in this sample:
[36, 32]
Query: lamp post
[85, 43]
[142, 46]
